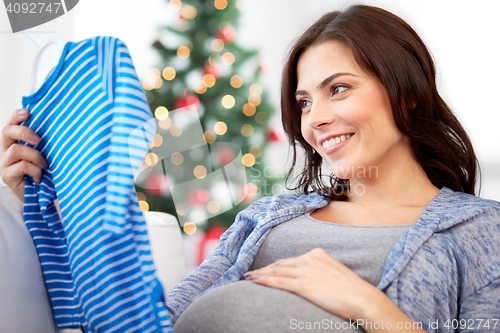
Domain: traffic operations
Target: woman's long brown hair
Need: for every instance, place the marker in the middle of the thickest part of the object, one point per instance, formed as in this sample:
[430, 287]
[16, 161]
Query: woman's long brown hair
[386, 47]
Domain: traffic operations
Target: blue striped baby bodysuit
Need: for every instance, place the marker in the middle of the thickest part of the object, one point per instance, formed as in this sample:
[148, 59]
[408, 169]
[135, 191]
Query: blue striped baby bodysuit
[96, 127]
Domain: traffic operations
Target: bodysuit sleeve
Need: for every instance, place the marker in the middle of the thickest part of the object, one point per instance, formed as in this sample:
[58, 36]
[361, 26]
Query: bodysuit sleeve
[132, 132]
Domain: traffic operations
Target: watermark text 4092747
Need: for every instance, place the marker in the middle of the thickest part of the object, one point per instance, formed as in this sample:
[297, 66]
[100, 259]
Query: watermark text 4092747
[26, 14]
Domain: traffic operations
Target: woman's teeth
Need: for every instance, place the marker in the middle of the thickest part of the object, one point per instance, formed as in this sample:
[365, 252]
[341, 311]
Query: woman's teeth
[338, 139]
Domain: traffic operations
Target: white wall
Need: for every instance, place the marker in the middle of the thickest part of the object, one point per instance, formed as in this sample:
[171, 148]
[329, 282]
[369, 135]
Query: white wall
[462, 36]
[16, 56]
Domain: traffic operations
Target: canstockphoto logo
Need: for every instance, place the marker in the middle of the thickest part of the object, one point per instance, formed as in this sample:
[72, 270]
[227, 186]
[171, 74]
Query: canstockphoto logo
[204, 180]
[25, 14]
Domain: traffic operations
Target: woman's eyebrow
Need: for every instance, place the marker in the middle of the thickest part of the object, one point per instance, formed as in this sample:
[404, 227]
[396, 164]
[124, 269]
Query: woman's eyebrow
[332, 77]
[325, 82]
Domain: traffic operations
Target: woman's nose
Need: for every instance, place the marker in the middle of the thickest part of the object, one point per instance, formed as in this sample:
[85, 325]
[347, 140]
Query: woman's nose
[320, 115]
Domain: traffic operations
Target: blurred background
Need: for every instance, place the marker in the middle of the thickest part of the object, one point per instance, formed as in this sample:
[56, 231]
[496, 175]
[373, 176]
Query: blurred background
[462, 37]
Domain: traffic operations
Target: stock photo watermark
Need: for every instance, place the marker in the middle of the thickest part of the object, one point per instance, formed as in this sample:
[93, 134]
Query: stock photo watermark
[453, 324]
[277, 171]
[26, 14]
[205, 179]
[329, 324]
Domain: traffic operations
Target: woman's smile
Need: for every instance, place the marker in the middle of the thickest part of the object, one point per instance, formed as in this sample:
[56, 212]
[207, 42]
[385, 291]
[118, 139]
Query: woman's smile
[335, 142]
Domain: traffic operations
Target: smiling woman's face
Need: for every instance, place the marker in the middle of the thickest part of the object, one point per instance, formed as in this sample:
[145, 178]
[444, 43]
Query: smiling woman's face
[340, 102]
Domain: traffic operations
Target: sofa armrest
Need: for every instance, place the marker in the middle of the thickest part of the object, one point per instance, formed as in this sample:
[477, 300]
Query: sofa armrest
[24, 300]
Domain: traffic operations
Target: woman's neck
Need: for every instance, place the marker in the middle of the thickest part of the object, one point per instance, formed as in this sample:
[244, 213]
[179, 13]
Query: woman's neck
[398, 183]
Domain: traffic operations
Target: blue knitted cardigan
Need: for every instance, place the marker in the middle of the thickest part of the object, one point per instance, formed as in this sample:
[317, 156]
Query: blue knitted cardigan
[446, 268]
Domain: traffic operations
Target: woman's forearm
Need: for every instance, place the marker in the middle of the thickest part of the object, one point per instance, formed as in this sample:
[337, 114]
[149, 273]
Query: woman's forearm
[380, 314]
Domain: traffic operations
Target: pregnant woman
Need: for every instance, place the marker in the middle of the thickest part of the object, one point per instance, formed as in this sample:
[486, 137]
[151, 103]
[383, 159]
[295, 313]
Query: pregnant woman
[394, 239]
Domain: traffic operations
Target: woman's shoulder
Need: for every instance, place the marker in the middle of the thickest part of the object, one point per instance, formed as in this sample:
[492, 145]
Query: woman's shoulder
[468, 227]
[457, 207]
[468, 224]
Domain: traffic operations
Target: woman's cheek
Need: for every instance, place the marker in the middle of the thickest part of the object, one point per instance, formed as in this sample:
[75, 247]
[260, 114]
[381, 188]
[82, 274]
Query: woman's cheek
[307, 132]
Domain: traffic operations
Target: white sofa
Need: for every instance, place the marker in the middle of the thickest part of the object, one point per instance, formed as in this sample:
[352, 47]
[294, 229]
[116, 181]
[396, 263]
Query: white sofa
[24, 302]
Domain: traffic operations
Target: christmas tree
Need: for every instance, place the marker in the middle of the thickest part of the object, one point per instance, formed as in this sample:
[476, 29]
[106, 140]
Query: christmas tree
[192, 168]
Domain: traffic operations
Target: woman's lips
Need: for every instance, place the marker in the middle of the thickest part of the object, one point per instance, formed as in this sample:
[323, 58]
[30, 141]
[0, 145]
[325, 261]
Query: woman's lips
[333, 144]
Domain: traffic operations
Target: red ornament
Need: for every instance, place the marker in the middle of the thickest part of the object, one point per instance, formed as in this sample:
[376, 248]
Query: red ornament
[264, 66]
[227, 34]
[248, 192]
[225, 156]
[274, 136]
[157, 44]
[211, 70]
[182, 102]
[198, 197]
[156, 185]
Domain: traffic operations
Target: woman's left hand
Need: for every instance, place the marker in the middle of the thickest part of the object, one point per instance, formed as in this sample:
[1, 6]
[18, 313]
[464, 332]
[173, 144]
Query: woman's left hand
[322, 280]
[335, 288]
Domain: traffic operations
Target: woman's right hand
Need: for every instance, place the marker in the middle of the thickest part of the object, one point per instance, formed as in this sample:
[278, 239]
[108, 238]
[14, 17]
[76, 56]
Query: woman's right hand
[16, 160]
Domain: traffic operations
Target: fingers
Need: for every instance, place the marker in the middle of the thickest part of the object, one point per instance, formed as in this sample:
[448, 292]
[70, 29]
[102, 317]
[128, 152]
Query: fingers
[279, 282]
[14, 175]
[273, 270]
[19, 160]
[13, 132]
[18, 152]
[276, 276]
[296, 267]
[18, 116]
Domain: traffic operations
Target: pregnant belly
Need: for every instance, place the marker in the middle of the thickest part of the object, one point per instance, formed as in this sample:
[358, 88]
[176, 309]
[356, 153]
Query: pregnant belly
[245, 306]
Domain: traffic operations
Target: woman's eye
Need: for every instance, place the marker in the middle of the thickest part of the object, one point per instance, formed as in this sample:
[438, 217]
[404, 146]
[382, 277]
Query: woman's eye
[303, 103]
[339, 89]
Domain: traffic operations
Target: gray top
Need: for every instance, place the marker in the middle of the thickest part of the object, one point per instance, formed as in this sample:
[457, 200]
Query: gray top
[244, 306]
[363, 249]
